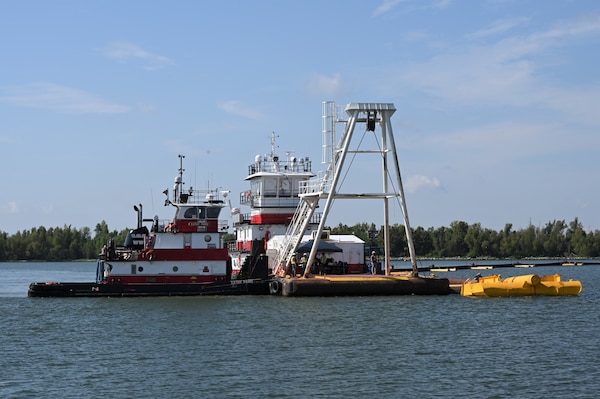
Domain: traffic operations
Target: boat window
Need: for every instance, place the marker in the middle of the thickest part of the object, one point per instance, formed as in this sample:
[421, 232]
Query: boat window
[213, 212]
[256, 188]
[285, 187]
[296, 186]
[270, 187]
[191, 213]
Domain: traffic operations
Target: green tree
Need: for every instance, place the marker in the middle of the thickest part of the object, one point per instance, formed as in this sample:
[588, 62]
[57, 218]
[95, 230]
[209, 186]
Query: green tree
[423, 241]
[398, 242]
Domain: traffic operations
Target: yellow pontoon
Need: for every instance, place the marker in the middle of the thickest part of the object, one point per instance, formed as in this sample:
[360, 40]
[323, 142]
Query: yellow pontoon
[528, 285]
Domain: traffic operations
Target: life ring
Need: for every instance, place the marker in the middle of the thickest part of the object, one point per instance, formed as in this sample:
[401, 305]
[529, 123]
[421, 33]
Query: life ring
[274, 287]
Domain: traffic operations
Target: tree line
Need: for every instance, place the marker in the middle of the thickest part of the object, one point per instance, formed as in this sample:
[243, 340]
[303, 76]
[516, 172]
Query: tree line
[556, 239]
[57, 244]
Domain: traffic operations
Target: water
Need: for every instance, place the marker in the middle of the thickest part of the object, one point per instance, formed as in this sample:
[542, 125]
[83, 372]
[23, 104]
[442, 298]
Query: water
[276, 347]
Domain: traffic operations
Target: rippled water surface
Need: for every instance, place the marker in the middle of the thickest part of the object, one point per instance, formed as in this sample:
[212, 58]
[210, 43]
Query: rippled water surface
[275, 347]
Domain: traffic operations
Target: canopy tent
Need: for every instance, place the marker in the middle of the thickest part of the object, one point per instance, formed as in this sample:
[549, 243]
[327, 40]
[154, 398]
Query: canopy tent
[324, 247]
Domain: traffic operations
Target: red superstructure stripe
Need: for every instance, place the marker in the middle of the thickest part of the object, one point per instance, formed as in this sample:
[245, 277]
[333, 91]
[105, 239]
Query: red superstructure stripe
[221, 254]
[161, 279]
[279, 218]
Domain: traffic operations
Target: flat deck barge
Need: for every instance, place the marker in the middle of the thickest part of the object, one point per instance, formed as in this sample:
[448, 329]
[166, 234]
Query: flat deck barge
[363, 285]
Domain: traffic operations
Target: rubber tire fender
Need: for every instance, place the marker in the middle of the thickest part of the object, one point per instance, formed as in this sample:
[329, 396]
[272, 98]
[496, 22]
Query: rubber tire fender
[275, 287]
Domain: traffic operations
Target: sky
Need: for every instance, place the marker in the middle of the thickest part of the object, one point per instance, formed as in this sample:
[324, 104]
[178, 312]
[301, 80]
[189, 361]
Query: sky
[497, 121]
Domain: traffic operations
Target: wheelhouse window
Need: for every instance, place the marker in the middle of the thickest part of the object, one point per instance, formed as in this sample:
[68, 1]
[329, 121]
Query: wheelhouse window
[213, 212]
[285, 189]
[270, 187]
[193, 212]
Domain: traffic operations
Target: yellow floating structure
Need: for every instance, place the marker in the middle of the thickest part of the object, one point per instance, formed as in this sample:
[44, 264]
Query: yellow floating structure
[527, 285]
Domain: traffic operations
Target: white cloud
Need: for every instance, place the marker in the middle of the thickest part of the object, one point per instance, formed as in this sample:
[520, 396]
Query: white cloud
[587, 24]
[508, 72]
[237, 108]
[11, 207]
[386, 6]
[500, 26]
[45, 95]
[326, 86]
[125, 51]
[416, 182]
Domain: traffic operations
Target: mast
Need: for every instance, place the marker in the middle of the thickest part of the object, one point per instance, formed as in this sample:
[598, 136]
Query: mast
[178, 187]
[273, 146]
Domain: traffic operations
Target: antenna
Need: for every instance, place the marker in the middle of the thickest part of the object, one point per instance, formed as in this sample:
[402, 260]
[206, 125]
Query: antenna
[178, 187]
[181, 165]
[273, 146]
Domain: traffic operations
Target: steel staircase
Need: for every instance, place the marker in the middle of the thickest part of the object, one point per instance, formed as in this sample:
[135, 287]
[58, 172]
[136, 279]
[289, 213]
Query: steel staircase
[295, 231]
[311, 191]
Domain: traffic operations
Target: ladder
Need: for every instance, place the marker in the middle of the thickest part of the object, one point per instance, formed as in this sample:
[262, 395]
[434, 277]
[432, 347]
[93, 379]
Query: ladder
[311, 191]
[295, 231]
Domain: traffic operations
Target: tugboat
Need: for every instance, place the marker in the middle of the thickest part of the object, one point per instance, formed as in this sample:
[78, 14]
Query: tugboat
[273, 198]
[181, 256]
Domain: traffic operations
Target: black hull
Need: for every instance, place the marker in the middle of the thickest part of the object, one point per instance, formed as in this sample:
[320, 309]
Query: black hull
[360, 286]
[247, 287]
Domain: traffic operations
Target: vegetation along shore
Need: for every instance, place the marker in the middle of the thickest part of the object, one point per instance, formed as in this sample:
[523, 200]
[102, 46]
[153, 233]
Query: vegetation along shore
[556, 239]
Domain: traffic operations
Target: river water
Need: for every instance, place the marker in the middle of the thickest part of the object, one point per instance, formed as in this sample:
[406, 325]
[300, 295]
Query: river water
[277, 347]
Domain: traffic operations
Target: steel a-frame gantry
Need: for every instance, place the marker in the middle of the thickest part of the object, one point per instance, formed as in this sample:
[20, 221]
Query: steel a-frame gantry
[376, 118]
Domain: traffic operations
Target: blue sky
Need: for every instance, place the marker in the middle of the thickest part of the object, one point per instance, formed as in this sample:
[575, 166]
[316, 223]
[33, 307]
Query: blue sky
[497, 103]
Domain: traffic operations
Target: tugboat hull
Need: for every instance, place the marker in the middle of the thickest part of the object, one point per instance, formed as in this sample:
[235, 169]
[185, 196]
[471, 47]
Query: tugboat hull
[51, 289]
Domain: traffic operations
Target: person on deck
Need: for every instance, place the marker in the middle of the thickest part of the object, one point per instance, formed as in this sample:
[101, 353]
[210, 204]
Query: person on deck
[374, 263]
[323, 264]
[293, 265]
[303, 262]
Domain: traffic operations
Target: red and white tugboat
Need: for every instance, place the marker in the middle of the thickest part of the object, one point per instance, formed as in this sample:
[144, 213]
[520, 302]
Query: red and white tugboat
[181, 256]
[273, 200]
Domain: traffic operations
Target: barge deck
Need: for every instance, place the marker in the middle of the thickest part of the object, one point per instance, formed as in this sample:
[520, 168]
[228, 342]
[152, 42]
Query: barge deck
[364, 285]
